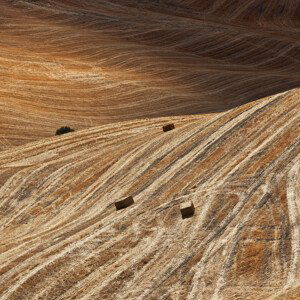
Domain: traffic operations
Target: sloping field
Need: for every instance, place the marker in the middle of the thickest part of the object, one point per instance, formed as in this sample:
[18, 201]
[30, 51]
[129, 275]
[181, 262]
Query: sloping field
[61, 237]
[85, 63]
[120, 70]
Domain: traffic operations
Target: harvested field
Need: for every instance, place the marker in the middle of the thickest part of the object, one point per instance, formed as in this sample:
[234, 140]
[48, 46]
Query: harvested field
[225, 73]
[85, 63]
[63, 239]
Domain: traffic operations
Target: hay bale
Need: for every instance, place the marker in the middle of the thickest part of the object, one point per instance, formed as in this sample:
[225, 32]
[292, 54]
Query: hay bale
[187, 209]
[168, 127]
[63, 130]
[120, 204]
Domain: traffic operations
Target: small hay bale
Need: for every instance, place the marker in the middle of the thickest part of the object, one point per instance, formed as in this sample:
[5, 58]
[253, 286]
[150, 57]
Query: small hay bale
[120, 204]
[63, 130]
[187, 209]
[168, 127]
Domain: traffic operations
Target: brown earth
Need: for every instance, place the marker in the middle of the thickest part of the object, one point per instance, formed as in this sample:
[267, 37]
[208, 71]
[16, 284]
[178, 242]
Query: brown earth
[106, 67]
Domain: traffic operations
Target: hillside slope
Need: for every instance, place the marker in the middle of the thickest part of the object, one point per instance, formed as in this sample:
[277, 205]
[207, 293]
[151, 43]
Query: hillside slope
[87, 63]
[62, 238]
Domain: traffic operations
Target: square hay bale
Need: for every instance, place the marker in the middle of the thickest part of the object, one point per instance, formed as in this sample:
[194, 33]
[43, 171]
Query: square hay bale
[168, 127]
[120, 204]
[187, 209]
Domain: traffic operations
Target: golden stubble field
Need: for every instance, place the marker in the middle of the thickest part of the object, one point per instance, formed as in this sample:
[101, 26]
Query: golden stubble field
[226, 74]
[89, 63]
